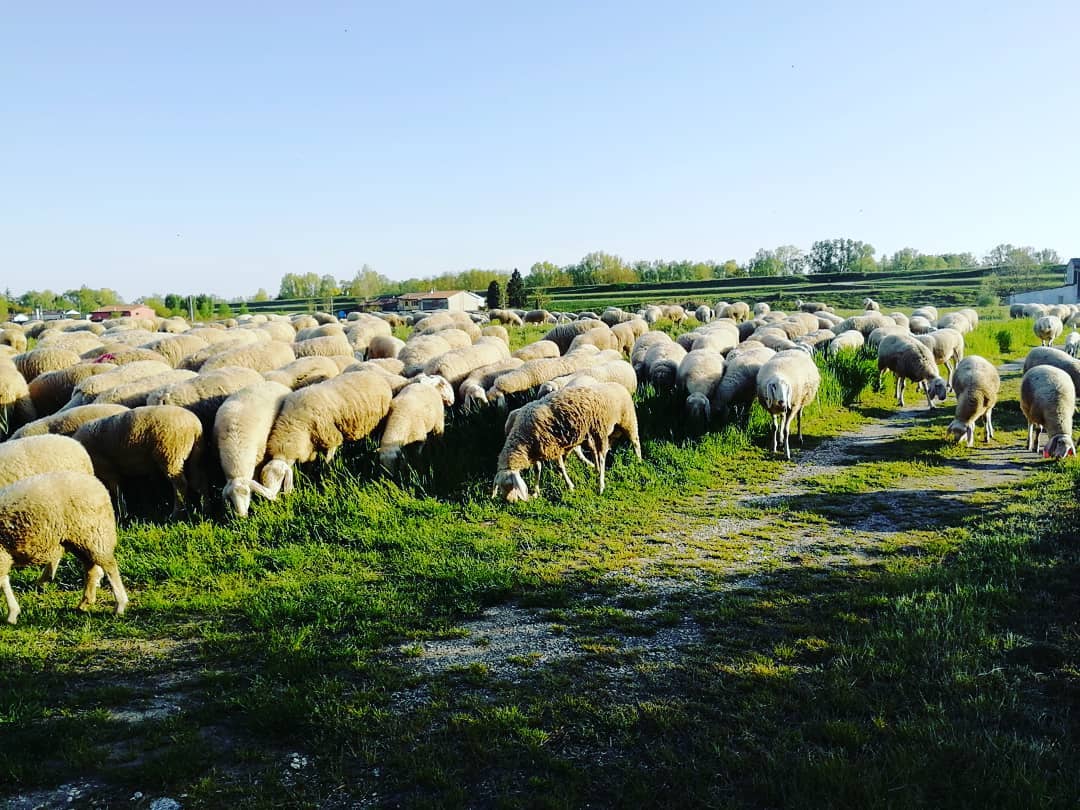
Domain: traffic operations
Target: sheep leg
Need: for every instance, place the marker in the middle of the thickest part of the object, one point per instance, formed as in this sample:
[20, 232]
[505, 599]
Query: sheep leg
[6, 561]
[775, 431]
[560, 462]
[989, 425]
[900, 390]
[48, 572]
[112, 571]
[785, 424]
[179, 485]
[581, 454]
[1031, 437]
[798, 422]
[601, 461]
[331, 452]
[1038, 436]
[91, 580]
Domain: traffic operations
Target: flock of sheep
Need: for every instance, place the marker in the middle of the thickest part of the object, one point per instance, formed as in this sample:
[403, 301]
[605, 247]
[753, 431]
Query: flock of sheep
[93, 410]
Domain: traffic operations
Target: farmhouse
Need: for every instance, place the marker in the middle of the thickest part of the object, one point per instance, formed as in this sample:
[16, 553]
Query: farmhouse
[122, 311]
[1067, 294]
[453, 300]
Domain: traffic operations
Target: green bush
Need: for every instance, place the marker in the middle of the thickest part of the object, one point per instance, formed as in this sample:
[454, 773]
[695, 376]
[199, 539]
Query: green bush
[1004, 340]
[852, 371]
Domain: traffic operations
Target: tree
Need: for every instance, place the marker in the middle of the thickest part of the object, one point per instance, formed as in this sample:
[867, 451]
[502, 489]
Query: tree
[224, 310]
[176, 304]
[547, 274]
[841, 256]
[367, 283]
[515, 290]
[494, 295]
[260, 295]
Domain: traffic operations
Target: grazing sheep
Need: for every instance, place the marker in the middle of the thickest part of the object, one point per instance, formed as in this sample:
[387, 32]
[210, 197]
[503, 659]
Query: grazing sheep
[1016, 310]
[497, 331]
[976, 383]
[77, 342]
[563, 334]
[21, 458]
[738, 312]
[1048, 399]
[971, 315]
[44, 515]
[641, 348]
[320, 418]
[92, 387]
[851, 340]
[1072, 343]
[506, 316]
[52, 390]
[879, 334]
[205, 393]
[327, 346]
[66, 422]
[536, 372]
[761, 308]
[472, 392]
[417, 411]
[1051, 356]
[600, 338]
[811, 306]
[305, 371]
[457, 364]
[871, 304]
[662, 364]
[865, 323]
[738, 385]
[43, 359]
[617, 371]
[947, 346]
[1048, 328]
[440, 321]
[908, 359]
[418, 350]
[957, 321]
[547, 430]
[699, 376]
[538, 350]
[16, 404]
[174, 348]
[920, 325]
[930, 313]
[259, 356]
[135, 393]
[1034, 310]
[13, 338]
[241, 427]
[901, 319]
[147, 441]
[786, 384]
[384, 346]
[326, 330]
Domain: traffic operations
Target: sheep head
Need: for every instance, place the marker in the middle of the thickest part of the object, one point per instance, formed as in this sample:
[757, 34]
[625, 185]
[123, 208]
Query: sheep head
[1060, 446]
[958, 431]
[937, 389]
[238, 492]
[510, 486]
[277, 476]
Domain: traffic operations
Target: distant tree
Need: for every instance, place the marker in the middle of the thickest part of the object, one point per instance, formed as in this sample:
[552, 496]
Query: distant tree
[156, 303]
[176, 304]
[515, 290]
[260, 295]
[4, 307]
[224, 310]
[304, 285]
[841, 256]
[730, 269]
[243, 308]
[366, 283]
[764, 263]
[547, 274]
[792, 260]
[494, 295]
[204, 307]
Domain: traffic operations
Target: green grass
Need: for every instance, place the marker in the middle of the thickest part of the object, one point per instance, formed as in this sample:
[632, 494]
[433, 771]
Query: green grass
[942, 669]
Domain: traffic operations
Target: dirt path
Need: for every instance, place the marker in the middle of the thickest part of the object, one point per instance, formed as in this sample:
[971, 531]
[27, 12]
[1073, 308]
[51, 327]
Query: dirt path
[795, 524]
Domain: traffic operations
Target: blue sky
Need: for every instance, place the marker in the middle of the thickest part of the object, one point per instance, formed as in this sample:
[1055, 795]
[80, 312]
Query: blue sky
[209, 147]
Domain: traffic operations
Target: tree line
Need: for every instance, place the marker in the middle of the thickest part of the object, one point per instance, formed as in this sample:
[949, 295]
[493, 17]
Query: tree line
[598, 267]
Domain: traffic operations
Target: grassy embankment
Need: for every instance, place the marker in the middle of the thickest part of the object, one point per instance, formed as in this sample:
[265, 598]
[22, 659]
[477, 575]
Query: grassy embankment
[944, 673]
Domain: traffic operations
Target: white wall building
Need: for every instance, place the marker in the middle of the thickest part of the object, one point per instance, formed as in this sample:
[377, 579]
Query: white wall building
[1068, 294]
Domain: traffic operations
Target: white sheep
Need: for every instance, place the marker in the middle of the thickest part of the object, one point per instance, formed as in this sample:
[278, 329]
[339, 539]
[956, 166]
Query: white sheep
[259, 356]
[65, 423]
[33, 455]
[786, 384]
[204, 393]
[135, 393]
[472, 392]
[761, 308]
[1048, 328]
[908, 359]
[457, 364]
[547, 430]
[703, 314]
[976, 383]
[52, 390]
[417, 411]
[871, 304]
[44, 515]
[320, 418]
[699, 376]
[94, 386]
[851, 340]
[1048, 399]
[617, 371]
[538, 350]
[1051, 356]
[947, 346]
[241, 427]
[16, 405]
[384, 346]
[147, 441]
[537, 372]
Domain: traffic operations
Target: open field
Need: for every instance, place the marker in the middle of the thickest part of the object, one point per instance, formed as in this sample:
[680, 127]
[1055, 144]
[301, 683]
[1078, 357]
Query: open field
[888, 621]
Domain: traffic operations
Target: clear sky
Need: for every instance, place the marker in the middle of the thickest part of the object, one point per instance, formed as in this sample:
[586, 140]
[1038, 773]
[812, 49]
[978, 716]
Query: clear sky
[213, 147]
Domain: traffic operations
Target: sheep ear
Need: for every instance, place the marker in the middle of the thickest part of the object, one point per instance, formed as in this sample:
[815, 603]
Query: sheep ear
[264, 491]
[287, 484]
[1070, 452]
[519, 482]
